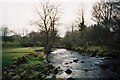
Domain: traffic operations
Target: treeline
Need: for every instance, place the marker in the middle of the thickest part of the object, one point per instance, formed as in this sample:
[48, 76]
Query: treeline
[106, 31]
[12, 39]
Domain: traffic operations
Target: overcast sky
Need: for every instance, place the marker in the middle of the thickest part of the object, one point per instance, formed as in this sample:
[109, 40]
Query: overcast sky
[17, 14]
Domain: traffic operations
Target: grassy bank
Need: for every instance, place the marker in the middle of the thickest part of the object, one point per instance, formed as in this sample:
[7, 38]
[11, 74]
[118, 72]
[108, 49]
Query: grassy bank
[28, 64]
[8, 54]
[99, 50]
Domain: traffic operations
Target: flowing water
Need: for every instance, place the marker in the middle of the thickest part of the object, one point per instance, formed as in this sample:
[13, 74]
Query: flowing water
[84, 67]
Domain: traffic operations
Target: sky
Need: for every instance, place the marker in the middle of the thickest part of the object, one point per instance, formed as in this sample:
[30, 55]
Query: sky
[18, 14]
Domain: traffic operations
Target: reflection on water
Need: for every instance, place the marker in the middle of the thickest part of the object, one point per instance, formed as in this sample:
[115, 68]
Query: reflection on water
[85, 67]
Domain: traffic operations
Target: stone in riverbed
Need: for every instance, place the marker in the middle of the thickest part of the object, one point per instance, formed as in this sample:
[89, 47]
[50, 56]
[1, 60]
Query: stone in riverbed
[66, 63]
[58, 67]
[68, 71]
[70, 62]
[53, 76]
[76, 60]
[70, 78]
[50, 67]
[55, 71]
[85, 70]
[93, 55]
[82, 61]
[104, 66]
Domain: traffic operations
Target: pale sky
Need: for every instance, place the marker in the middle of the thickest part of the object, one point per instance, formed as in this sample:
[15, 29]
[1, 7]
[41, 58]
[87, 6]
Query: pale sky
[17, 14]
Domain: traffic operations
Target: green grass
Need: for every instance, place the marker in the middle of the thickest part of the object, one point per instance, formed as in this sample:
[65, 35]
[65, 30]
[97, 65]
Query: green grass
[8, 54]
[34, 61]
[100, 50]
[97, 49]
[7, 58]
[20, 50]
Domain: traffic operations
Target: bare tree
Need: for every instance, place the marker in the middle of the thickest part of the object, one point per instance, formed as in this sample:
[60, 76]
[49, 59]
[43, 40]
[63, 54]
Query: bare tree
[81, 21]
[81, 24]
[102, 13]
[5, 32]
[107, 16]
[48, 20]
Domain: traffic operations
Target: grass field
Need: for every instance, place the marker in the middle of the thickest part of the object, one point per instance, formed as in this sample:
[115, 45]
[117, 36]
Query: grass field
[8, 54]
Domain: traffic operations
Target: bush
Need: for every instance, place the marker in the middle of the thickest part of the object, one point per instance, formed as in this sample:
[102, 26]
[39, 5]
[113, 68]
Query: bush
[10, 44]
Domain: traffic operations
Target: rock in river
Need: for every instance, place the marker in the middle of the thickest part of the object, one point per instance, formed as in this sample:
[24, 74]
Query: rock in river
[70, 78]
[68, 71]
[85, 70]
[55, 71]
[82, 61]
[104, 66]
[76, 60]
[93, 55]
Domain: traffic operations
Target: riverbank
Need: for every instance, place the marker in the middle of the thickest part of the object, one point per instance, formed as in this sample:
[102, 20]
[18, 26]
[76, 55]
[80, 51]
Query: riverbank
[9, 54]
[102, 51]
[28, 63]
[28, 67]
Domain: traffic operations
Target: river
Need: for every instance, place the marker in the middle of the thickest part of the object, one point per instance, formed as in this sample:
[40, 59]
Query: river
[81, 66]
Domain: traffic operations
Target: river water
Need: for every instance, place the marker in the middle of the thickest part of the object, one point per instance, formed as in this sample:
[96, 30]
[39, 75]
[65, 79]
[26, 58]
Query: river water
[84, 67]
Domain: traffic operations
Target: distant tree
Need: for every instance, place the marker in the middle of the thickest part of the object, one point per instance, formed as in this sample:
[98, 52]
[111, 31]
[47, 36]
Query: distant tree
[81, 26]
[104, 13]
[96, 35]
[81, 20]
[5, 32]
[66, 41]
[116, 25]
[107, 15]
[49, 15]
[72, 39]
[17, 37]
